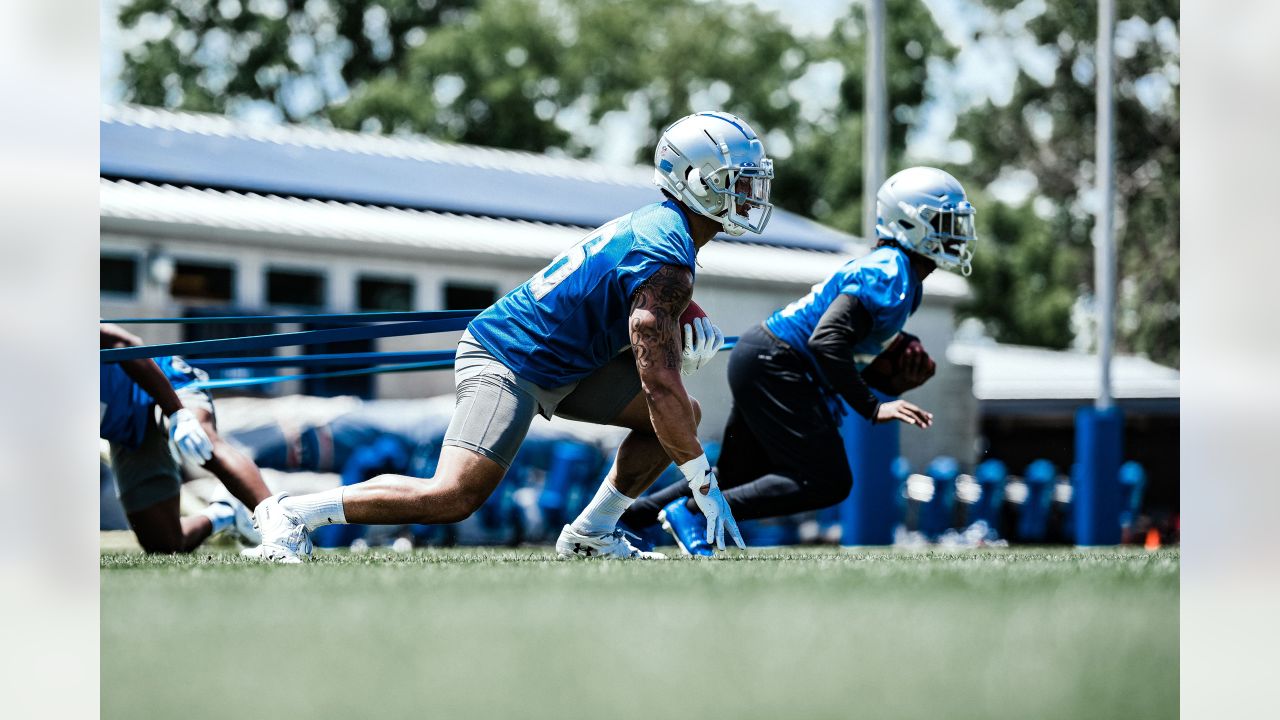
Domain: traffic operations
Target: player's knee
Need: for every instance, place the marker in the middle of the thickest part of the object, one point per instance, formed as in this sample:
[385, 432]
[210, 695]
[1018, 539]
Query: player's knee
[161, 543]
[834, 491]
[447, 501]
[460, 507]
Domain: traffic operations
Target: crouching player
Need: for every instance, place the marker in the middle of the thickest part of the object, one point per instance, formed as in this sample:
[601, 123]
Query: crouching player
[147, 474]
[591, 337]
[782, 451]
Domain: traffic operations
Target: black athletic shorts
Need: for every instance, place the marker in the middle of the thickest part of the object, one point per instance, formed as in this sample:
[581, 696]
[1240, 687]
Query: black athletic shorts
[782, 420]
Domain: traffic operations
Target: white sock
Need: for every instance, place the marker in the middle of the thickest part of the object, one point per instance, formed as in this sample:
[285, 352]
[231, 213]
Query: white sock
[317, 509]
[603, 512]
[221, 515]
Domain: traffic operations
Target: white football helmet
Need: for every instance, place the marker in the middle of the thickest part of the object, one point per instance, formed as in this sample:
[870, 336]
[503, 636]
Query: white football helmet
[925, 210]
[714, 163]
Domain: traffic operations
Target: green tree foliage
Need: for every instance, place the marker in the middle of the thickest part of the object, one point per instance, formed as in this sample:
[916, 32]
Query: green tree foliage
[1033, 264]
[518, 73]
[823, 177]
[298, 55]
[506, 74]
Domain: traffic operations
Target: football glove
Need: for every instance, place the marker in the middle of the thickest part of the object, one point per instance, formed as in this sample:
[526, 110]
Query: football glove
[702, 340]
[709, 499]
[189, 437]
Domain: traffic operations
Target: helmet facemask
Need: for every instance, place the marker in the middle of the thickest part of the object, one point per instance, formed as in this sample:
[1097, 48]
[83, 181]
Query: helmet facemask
[944, 235]
[742, 201]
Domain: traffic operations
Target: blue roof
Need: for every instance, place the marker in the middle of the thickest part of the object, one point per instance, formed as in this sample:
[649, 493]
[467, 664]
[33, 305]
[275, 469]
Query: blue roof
[449, 178]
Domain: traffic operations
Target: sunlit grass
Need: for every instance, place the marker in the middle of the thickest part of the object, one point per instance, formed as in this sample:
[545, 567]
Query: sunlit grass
[1040, 633]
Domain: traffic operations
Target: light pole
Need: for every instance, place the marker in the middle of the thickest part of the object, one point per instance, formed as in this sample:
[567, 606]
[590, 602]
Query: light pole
[1100, 429]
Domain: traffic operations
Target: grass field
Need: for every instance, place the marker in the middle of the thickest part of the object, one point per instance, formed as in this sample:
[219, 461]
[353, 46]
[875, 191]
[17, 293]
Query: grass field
[1041, 633]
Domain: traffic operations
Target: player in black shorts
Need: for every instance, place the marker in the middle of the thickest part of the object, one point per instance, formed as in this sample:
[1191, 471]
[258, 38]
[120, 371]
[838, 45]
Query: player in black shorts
[782, 451]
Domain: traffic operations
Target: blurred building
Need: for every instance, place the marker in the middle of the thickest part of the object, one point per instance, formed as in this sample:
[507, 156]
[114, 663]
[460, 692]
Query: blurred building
[1027, 398]
[204, 214]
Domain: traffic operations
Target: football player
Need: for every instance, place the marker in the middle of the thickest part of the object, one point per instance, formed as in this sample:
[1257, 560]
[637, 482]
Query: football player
[148, 478]
[594, 337]
[782, 450]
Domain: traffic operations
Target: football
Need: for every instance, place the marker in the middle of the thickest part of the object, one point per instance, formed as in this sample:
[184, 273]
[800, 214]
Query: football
[691, 312]
[902, 366]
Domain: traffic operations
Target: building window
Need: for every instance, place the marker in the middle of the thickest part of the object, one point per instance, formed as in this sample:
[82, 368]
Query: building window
[461, 296]
[378, 294]
[118, 275]
[203, 281]
[297, 288]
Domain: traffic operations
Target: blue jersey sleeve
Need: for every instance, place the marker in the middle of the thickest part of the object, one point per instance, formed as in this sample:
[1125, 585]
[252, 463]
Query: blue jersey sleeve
[657, 241]
[641, 263]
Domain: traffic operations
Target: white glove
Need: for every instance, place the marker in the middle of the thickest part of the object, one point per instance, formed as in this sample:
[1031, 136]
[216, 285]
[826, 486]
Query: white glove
[186, 433]
[702, 341]
[707, 495]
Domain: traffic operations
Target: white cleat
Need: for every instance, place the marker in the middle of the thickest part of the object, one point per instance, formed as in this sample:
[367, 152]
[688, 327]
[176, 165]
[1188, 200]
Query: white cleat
[611, 545]
[284, 538]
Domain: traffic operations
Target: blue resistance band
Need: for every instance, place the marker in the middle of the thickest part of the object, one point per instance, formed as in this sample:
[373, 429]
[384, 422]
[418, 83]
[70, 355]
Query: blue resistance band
[395, 324]
[323, 319]
[271, 379]
[442, 359]
[274, 340]
[334, 359]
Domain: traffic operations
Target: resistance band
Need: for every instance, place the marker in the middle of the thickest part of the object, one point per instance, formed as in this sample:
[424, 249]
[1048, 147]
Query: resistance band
[443, 359]
[273, 340]
[325, 319]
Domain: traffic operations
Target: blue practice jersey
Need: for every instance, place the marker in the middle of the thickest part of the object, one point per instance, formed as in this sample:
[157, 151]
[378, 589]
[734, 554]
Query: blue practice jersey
[124, 408]
[883, 283]
[571, 318]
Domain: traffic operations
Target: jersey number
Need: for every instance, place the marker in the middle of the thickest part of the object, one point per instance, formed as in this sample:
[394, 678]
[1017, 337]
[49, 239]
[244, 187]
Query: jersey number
[570, 260]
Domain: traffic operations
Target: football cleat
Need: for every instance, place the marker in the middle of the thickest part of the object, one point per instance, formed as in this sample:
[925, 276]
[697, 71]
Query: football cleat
[689, 529]
[646, 539]
[612, 545]
[284, 538]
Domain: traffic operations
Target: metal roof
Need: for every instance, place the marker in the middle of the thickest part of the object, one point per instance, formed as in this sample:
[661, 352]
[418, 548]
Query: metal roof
[412, 172]
[1016, 372]
[346, 227]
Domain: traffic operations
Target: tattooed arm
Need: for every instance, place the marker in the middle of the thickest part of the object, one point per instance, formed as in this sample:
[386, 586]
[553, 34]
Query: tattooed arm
[655, 340]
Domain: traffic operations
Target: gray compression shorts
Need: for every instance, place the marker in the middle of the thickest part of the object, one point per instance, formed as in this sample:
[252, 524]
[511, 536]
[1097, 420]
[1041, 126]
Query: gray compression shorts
[150, 473]
[495, 407]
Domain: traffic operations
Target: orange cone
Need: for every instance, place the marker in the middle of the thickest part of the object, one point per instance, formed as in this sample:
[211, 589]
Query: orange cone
[1153, 540]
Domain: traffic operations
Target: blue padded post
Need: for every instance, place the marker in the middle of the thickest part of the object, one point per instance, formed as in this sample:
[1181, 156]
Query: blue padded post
[570, 462]
[1099, 447]
[991, 476]
[935, 516]
[871, 511]
[1133, 480]
[1033, 522]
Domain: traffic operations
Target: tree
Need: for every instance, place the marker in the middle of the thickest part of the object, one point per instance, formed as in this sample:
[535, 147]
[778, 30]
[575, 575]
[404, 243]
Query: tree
[298, 56]
[541, 75]
[1043, 258]
[518, 73]
[823, 177]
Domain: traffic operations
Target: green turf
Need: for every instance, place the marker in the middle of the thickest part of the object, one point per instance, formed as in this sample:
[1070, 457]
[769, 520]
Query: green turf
[515, 634]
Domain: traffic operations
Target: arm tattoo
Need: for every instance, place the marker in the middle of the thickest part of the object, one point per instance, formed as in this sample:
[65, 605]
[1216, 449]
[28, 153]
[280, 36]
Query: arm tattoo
[655, 312]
